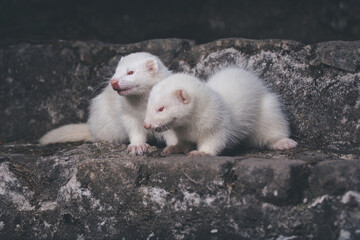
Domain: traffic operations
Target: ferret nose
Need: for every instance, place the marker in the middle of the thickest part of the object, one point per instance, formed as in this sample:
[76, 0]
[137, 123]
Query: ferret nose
[147, 126]
[115, 84]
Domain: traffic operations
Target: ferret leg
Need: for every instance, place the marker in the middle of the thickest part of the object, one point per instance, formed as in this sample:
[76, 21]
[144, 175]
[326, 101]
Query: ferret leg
[209, 147]
[284, 144]
[180, 147]
[170, 138]
[272, 128]
[137, 137]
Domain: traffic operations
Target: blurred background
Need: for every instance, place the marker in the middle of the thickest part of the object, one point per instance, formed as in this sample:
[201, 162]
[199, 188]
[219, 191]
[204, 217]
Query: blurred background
[120, 21]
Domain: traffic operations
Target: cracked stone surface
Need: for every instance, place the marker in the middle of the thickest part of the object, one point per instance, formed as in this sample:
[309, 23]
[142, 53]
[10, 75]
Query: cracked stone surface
[98, 191]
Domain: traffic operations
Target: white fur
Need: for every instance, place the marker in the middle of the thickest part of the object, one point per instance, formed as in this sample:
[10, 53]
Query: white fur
[115, 118]
[233, 106]
[67, 133]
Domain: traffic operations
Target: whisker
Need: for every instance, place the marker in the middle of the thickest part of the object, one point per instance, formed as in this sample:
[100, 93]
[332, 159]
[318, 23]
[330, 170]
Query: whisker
[107, 72]
[100, 85]
[109, 69]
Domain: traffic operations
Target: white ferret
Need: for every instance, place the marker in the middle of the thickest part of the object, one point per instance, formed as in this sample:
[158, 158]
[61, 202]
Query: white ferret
[234, 106]
[115, 118]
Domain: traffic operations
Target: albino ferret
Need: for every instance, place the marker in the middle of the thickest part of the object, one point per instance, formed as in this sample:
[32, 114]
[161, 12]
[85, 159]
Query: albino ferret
[117, 113]
[234, 106]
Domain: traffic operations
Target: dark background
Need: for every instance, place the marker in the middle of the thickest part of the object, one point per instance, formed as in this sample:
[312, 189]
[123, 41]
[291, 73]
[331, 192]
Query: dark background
[307, 21]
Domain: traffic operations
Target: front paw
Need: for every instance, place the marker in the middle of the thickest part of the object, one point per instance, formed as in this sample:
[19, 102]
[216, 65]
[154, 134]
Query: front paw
[170, 149]
[175, 149]
[137, 149]
[198, 153]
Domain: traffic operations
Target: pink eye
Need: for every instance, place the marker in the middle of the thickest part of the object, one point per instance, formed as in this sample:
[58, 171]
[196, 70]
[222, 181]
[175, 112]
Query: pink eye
[130, 72]
[161, 109]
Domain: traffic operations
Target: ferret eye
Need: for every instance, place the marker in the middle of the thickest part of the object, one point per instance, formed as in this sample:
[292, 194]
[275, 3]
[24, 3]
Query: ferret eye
[130, 72]
[161, 109]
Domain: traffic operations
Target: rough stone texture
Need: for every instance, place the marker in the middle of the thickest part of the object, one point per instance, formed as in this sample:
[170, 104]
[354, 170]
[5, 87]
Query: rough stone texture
[328, 177]
[97, 191]
[47, 85]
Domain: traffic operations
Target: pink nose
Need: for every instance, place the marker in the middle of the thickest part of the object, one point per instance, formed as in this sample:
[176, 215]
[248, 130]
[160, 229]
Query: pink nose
[147, 126]
[115, 84]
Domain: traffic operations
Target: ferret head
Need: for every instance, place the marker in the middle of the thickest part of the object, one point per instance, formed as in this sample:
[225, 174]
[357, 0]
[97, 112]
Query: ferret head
[170, 104]
[137, 73]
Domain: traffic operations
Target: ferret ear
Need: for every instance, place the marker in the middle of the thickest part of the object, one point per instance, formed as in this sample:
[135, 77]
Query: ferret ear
[151, 65]
[182, 96]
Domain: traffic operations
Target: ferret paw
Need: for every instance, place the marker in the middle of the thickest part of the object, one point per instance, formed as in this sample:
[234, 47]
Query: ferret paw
[175, 149]
[284, 144]
[198, 153]
[169, 150]
[137, 149]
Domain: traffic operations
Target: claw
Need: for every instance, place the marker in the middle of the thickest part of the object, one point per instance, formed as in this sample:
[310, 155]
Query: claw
[137, 149]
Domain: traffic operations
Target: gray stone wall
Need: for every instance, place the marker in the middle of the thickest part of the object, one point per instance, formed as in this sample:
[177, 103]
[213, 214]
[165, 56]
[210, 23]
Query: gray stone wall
[47, 85]
[98, 191]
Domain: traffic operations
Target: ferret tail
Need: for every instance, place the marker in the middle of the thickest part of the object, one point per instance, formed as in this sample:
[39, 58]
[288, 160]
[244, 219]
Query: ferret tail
[67, 133]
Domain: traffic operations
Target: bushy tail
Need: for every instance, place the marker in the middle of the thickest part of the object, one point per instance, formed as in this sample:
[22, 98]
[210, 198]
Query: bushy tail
[67, 133]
